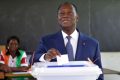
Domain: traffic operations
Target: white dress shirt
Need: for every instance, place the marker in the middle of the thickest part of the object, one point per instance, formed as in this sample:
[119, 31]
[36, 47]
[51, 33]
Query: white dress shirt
[73, 40]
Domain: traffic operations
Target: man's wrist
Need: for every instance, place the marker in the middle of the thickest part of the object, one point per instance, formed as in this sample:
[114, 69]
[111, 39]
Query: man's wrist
[46, 58]
[42, 58]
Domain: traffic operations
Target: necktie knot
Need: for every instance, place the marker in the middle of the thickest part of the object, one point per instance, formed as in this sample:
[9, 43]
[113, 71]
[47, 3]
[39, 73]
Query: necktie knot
[68, 37]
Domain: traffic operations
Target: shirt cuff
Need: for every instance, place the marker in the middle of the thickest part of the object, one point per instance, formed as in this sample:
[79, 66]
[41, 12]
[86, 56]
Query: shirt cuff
[42, 58]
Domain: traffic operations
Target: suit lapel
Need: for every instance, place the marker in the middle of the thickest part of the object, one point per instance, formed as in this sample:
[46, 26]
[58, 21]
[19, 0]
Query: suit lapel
[59, 43]
[80, 45]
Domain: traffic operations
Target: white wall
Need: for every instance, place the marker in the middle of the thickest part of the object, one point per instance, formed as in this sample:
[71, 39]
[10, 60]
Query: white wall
[111, 60]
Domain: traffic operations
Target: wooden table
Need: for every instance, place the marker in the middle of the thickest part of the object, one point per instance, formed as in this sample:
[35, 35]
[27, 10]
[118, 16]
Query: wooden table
[18, 75]
[2, 75]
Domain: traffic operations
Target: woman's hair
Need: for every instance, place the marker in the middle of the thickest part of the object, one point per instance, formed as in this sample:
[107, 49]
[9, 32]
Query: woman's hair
[8, 41]
[13, 37]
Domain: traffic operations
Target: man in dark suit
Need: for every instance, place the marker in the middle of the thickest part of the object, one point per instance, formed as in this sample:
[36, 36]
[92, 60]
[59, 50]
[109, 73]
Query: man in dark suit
[84, 47]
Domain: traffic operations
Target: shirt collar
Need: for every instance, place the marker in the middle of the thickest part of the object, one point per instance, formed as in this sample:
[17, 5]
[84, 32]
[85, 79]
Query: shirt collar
[74, 35]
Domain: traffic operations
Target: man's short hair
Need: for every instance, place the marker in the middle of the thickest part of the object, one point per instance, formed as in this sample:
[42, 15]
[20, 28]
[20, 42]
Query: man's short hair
[74, 6]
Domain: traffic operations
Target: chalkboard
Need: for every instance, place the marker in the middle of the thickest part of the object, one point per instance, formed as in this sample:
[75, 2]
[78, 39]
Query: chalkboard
[32, 19]
[105, 20]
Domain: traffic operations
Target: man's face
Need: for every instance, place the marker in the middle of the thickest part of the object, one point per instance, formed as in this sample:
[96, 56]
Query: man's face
[67, 16]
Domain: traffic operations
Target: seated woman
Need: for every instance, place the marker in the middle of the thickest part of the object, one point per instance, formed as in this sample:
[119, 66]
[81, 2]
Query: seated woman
[12, 59]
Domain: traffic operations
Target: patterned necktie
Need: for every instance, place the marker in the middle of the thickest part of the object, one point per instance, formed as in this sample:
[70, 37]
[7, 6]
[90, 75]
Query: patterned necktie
[69, 49]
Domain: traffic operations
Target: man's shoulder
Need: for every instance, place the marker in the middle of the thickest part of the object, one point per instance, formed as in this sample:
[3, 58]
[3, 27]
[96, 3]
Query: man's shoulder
[88, 38]
[51, 36]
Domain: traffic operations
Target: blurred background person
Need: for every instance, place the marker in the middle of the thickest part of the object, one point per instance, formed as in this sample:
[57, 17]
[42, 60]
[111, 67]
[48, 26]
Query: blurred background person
[12, 59]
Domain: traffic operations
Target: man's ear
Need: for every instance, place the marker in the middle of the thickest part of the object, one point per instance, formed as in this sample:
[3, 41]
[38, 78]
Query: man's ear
[77, 18]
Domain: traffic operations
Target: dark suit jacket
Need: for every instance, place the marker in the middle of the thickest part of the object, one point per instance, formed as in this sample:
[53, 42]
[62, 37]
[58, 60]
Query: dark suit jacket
[86, 47]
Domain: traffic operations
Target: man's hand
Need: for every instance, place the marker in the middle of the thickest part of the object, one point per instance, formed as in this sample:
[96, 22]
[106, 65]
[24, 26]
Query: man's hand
[51, 54]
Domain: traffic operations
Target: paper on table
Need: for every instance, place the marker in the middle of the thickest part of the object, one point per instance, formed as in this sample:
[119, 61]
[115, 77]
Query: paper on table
[63, 59]
[20, 72]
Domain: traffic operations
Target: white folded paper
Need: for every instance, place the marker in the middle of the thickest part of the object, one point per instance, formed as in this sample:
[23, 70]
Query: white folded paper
[63, 59]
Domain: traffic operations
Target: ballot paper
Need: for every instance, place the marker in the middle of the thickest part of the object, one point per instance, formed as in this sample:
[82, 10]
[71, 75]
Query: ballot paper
[63, 59]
